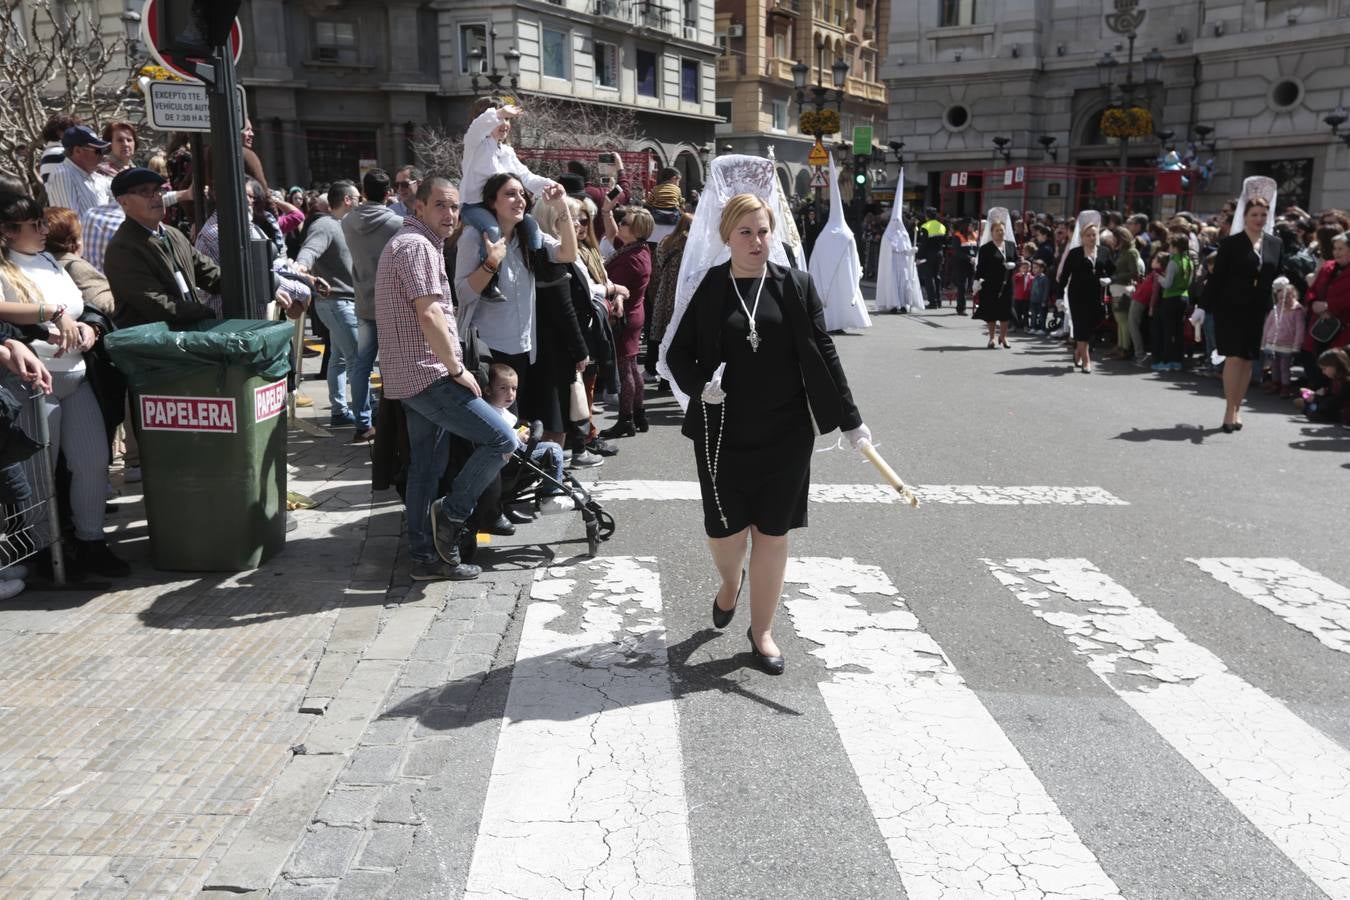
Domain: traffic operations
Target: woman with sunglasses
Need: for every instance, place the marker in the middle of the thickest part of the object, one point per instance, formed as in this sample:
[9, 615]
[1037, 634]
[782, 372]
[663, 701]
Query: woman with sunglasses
[36, 291]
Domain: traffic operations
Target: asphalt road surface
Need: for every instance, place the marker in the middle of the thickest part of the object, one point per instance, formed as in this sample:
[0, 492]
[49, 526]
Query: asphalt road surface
[1106, 657]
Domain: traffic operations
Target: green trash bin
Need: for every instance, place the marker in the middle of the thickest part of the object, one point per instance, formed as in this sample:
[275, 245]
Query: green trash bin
[209, 401]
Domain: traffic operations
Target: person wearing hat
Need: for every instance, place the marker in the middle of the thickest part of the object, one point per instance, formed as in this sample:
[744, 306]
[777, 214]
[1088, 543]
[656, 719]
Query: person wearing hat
[77, 184]
[154, 271]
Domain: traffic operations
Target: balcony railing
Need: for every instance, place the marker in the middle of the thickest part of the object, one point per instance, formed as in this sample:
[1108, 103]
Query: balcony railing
[731, 65]
[786, 7]
[611, 9]
[653, 15]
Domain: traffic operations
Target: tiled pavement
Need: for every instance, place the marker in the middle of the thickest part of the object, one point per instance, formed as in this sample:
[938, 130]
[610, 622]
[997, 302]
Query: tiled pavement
[266, 730]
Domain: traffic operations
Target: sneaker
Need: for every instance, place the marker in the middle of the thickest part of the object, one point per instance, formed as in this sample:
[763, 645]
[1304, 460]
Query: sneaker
[11, 587]
[586, 460]
[440, 570]
[302, 402]
[556, 503]
[131, 475]
[602, 447]
[363, 435]
[341, 421]
[95, 557]
[1173, 367]
[18, 572]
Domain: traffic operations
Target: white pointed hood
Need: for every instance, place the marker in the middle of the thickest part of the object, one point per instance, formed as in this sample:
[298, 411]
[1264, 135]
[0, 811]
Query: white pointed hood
[897, 269]
[835, 268]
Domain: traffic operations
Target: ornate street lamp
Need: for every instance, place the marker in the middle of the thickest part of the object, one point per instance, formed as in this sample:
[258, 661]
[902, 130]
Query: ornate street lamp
[821, 98]
[493, 76]
[1002, 144]
[1047, 142]
[1336, 118]
[1126, 21]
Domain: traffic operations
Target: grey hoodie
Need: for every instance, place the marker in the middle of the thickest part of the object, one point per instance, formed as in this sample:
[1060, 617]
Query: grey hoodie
[325, 254]
[367, 229]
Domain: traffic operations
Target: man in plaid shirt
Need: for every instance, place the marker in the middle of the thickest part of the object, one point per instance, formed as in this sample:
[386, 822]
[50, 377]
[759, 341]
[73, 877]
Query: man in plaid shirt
[421, 362]
[97, 226]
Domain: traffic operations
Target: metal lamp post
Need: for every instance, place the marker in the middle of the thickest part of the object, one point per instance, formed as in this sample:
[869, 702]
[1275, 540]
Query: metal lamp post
[821, 98]
[1336, 119]
[493, 76]
[1126, 21]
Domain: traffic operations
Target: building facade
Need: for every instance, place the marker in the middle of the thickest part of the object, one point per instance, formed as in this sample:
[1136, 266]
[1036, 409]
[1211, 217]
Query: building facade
[1247, 82]
[761, 40]
[335, 82]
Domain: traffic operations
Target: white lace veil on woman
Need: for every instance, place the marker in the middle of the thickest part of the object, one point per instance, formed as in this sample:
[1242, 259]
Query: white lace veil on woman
[999, 214]
[1255, 186]
[728, 176]
[1085, 218]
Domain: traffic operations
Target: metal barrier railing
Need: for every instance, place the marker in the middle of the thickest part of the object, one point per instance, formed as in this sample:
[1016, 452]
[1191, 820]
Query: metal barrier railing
[34, 525]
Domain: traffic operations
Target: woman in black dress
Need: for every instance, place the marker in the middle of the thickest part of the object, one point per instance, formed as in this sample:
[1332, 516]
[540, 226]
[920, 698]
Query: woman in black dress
[994, 264]
[1238, 296]
[752, 353]
[1083, 276]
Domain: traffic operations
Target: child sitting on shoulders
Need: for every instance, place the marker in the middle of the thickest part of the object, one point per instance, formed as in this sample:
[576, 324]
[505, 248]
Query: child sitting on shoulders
[501, 394]
[486, 153]
[1283, 336]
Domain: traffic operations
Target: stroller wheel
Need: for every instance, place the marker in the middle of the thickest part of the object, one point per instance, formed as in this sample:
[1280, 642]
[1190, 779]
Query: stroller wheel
[592, 539]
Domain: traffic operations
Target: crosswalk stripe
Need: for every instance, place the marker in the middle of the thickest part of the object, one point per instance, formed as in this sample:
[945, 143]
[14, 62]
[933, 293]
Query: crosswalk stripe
[962, 813]
[1289, 779]
[950, 494]
[586, 795]
[1300, 596]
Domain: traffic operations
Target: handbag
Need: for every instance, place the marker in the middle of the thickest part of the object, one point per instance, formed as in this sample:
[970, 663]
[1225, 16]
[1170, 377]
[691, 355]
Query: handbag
[578, 410]
[1325, 329]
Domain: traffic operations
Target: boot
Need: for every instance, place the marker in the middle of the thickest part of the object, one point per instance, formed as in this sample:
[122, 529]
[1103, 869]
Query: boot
[640, 420]
[622, 428]
[445, 535]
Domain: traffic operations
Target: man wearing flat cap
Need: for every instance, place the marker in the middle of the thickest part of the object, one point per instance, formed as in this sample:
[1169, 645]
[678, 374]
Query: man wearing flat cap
[76, 184]
[153, 270]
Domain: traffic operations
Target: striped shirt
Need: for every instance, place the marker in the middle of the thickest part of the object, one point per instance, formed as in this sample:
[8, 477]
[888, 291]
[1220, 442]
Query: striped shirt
[97, 227]
[411, 266]
[74, 188]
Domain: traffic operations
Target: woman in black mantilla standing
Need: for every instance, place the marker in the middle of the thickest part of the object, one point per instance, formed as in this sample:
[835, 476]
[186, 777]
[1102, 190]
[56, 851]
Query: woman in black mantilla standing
[1238, 294]
[1084, 273]
[752, 353]
[995, 261]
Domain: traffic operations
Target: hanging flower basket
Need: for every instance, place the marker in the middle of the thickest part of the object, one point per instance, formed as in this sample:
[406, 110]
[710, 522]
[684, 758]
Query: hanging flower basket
[1132, 122]
[823, 122]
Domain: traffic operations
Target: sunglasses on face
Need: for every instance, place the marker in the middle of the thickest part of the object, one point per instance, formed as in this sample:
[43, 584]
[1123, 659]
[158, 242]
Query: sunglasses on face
[404, 184]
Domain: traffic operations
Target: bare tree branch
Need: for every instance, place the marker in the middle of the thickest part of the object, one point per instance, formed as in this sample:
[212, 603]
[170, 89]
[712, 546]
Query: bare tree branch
[56, 61]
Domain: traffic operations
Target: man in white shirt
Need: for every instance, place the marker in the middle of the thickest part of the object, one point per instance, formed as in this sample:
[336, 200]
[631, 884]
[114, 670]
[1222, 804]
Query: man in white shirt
[76, 184]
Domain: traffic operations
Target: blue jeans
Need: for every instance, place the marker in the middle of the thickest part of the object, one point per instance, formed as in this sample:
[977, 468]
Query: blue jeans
[485, 220]
[340, 318]
[363, 363]
[443, 409]
[548, 455]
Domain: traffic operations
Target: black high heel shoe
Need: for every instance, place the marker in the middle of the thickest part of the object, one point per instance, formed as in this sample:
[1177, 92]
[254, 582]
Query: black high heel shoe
[722, 617]
[1226, 428]
[773, 665]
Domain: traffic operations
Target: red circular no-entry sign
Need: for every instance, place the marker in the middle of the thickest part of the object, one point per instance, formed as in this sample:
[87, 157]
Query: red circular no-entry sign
[170, 61]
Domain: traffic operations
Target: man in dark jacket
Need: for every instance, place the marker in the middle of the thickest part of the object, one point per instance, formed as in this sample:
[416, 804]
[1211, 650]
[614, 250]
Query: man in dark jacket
[368, 229]
[154, 272]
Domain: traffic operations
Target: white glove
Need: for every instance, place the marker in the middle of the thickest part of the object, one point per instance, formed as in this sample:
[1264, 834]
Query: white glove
[1104, 281]
[1010, 265]
[858, 436]
[712, 391]
[1198, 319]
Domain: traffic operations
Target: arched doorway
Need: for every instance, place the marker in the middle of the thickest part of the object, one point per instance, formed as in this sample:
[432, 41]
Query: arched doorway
[784, 181]
[803, 183]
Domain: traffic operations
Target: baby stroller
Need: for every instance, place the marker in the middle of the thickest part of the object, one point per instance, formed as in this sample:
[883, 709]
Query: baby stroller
[524, 481]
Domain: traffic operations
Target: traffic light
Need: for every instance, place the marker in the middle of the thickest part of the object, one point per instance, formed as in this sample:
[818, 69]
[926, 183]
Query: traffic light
[195, 27]
[860, 172]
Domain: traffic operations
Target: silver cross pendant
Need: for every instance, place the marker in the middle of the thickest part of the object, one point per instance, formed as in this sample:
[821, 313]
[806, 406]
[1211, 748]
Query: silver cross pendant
[753, 339]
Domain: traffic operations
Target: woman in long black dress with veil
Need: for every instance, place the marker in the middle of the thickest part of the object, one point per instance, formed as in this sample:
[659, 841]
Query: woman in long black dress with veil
[752, 353]
[1083, 275]
[995, 261]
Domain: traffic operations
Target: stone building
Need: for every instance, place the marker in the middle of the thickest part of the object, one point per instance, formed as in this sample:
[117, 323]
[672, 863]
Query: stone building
[1260, 75]
[334, 82]
[760, 42]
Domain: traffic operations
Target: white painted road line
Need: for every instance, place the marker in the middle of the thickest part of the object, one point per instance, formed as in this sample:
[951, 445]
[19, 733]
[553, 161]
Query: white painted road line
[962, 813]
[1288, 778]
[948, 494]
[1300, 596]
[586, 796]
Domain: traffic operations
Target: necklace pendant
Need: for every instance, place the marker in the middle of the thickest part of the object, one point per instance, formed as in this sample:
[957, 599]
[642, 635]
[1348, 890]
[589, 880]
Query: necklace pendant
[753, 340]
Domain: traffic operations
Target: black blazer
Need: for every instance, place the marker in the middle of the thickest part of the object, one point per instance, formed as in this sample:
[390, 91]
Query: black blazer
[696, 349]
[995, 278]
[1081, 280]
[1238, 279]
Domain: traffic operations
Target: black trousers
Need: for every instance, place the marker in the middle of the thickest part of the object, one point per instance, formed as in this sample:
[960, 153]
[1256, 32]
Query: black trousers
[1171, 313]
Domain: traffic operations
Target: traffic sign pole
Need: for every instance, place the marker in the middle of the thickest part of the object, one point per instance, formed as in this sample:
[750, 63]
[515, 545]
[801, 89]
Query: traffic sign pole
[243, 274]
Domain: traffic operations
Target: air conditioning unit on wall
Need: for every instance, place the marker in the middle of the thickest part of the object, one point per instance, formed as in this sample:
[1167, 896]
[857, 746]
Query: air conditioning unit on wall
[736, 31]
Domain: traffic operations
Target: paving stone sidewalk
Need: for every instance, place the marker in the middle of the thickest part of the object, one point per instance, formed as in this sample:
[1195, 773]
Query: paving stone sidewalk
[263, 731]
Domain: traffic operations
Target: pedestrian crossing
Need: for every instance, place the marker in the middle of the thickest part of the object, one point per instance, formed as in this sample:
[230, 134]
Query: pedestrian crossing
[587, 795]
[942, 494]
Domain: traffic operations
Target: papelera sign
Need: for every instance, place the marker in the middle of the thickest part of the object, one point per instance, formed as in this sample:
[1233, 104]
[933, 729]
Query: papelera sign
[150, 38]
[269, 401]
[168, 413]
